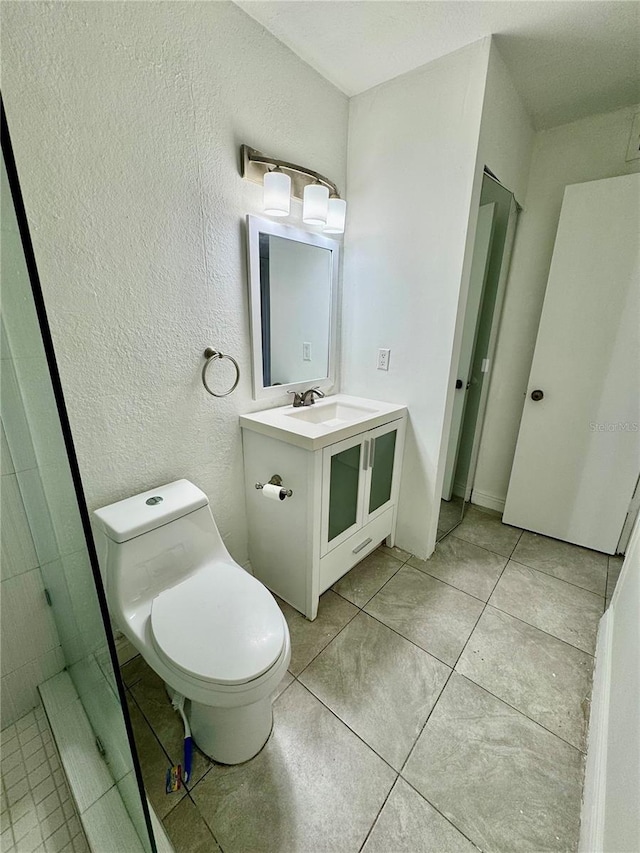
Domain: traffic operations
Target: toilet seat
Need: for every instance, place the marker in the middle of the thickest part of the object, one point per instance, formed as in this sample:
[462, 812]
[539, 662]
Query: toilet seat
[220, 625]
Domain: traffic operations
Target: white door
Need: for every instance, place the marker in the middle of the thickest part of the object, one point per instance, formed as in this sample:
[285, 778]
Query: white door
[478, 277]
[578, 452]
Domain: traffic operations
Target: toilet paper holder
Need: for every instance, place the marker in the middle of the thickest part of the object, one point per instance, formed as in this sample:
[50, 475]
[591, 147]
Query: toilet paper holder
[276, 480]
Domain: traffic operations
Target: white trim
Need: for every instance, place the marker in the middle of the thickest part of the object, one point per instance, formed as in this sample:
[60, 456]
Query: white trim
[595, 783]
[489, 501]
[632, 515]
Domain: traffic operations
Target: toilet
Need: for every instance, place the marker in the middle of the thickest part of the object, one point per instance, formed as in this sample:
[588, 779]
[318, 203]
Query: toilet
[207, 627]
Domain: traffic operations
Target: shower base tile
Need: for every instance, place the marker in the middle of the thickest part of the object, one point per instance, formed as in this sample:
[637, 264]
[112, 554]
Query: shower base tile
[38, 812]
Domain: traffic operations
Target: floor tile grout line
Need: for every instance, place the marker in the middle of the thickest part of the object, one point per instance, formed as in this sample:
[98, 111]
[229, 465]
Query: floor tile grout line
[361, 607]
[295, 675]
[537, 628]
[470, 542]
[435, 808]
[476, 545]
[375, 820]
[521, 712]
[202, 817]
[531, 625]
[353, 732]
[384, 624]
[555, 577]
[500, 699]
[424, 725]
[459, 589]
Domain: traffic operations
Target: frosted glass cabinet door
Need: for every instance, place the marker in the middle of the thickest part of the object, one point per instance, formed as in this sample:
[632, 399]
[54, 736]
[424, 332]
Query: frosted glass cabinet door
[382, 456]
[343, 484]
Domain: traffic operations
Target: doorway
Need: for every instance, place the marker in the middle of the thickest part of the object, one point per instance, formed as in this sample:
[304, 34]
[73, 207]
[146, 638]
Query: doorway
[495, 234]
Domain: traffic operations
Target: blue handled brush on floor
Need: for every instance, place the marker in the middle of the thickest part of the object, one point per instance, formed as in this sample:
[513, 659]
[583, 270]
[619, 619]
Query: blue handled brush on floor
[177, 775]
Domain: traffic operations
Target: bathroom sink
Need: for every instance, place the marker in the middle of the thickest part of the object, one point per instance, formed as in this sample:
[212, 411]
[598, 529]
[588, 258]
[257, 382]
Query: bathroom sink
[327, 421]
[330, 413]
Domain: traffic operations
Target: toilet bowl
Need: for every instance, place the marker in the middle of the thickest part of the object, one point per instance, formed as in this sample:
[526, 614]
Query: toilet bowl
[207, 627]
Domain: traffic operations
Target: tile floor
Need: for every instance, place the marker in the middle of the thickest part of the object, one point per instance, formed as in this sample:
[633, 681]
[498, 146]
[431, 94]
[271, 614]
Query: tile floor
[38, 813]
[431, 706]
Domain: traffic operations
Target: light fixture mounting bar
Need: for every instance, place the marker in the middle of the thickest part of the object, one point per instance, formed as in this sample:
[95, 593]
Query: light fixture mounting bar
[255, 164]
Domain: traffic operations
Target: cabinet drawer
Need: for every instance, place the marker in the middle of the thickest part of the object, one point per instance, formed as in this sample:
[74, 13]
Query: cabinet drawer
[337, 562]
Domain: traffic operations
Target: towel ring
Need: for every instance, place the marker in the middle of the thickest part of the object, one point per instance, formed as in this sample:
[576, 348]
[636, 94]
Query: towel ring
[211, 355]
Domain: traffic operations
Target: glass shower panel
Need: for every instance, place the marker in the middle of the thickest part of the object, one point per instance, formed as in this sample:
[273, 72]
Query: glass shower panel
[32, 426]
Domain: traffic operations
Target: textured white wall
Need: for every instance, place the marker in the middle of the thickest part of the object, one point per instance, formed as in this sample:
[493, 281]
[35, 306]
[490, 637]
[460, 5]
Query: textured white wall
[585, 150]
[412, 181]
[126, 121]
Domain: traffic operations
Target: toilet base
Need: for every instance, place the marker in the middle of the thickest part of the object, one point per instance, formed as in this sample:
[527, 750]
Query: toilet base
[231, 735]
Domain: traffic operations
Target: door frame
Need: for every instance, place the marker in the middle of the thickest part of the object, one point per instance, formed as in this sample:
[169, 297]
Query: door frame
[507, 254]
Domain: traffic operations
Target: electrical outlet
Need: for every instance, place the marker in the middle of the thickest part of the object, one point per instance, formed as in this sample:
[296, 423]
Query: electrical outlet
[306, 352]
[383, 359]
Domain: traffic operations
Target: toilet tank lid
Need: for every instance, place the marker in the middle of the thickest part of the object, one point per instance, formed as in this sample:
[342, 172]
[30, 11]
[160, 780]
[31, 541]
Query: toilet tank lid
[139, 514]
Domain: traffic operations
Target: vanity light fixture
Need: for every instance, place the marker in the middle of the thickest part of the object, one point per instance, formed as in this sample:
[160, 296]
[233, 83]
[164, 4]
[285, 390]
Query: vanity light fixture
[277, 193]
[315, 204]
[322, 205]
[336, 215]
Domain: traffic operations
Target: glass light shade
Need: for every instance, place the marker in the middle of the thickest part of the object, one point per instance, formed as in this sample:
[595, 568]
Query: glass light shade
[277, 193]
[336, 215]
[315, 202]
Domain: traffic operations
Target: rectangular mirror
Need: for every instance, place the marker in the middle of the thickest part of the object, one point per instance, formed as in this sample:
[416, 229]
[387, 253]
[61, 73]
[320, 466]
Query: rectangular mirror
[293, 292]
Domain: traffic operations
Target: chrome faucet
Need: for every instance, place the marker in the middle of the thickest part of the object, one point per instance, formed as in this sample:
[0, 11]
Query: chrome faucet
[307, 396]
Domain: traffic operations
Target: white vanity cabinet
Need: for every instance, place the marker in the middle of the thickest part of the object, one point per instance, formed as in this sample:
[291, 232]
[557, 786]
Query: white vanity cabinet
[345, 478]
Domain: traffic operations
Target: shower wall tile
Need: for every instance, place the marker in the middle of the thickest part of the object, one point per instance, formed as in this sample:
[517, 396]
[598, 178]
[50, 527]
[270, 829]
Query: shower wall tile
[28, 629]
[84, 601]
[17, 306]
[56, 583]
[40, 409]
[18, 549]
[36, 507]
[14, 418]
[61, 498]
[20, 687]
[6, 465]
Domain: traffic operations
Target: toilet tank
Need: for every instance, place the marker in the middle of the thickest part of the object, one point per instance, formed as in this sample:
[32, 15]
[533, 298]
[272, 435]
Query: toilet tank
[152, 541]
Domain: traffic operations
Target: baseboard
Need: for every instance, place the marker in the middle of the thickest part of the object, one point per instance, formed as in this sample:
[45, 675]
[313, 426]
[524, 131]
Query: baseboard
[487, 500]
[594, 792]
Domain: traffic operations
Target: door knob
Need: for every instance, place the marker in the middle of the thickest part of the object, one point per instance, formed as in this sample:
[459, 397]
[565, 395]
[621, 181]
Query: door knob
[537, 395]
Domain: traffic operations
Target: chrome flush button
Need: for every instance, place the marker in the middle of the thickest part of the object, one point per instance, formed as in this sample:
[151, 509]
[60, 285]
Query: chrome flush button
[156, 499]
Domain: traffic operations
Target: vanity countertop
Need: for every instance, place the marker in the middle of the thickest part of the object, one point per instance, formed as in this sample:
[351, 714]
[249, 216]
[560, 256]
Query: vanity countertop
[327, 421]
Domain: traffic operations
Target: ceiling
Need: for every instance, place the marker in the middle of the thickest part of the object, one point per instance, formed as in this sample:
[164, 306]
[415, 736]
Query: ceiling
[567, 59]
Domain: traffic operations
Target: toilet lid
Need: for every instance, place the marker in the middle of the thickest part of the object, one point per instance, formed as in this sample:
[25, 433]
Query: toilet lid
[221, 625]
